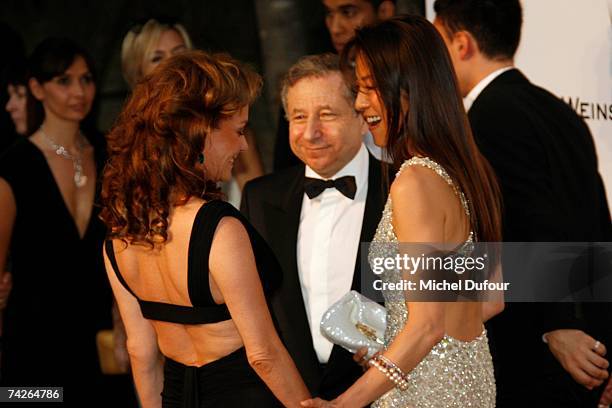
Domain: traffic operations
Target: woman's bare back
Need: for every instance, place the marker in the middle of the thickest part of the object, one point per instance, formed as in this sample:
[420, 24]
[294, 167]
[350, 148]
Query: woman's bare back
[160, 275]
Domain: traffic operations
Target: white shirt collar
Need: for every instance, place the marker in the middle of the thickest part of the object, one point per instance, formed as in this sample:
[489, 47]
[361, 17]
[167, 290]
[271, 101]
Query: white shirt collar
[473, 94]
[357, 167]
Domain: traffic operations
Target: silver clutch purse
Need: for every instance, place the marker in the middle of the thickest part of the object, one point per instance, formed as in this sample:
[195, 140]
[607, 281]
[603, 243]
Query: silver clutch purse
[354, 322]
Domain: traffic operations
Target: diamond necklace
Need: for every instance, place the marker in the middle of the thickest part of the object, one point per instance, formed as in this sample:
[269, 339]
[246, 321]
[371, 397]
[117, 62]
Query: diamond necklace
[79, 178]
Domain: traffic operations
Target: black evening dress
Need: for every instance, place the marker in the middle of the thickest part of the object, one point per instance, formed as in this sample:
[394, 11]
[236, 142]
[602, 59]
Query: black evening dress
[229, 381]
[61, 296]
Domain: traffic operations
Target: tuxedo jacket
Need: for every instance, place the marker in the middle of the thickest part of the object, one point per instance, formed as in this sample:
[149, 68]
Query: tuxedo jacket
[546, 164]
[273, 205]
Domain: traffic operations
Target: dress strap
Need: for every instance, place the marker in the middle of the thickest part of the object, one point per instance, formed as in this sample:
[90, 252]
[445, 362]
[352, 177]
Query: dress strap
[110, 253]
[204, 226]
[440, 171]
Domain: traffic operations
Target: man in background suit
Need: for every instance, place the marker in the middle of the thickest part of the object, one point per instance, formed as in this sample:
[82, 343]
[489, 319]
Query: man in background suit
[315, 225]
[544, 156]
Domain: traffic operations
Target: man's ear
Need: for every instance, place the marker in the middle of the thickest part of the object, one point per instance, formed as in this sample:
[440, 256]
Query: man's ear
[386, 10]
[36, 89]
[464, 44]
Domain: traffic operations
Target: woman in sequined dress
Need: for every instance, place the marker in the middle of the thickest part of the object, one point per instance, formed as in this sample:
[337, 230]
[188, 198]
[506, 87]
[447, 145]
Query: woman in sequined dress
[444, 192]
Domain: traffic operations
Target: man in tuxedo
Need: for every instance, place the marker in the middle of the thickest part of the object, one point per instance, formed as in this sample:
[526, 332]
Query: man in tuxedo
[545, 355]
[315, 215]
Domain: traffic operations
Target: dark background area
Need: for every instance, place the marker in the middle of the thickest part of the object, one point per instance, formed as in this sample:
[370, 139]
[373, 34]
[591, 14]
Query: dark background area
[268, 34]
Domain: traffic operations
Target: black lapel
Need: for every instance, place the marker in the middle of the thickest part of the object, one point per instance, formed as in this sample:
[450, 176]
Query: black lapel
[282, 216]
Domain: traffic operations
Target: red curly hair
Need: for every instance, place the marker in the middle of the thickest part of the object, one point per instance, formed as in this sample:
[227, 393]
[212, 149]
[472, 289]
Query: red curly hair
[154, 145]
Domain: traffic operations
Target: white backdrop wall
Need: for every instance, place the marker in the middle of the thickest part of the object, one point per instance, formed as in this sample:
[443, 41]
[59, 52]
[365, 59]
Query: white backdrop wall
[566, 47]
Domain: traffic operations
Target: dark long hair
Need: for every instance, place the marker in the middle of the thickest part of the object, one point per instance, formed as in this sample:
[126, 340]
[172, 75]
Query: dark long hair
[409, 61]
[153, 148]
[51, 58]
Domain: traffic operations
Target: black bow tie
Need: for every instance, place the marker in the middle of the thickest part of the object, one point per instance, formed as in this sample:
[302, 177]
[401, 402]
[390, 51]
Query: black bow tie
[346, 185]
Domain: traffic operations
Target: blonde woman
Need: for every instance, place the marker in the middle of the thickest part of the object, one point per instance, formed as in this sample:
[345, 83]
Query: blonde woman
[146, 45]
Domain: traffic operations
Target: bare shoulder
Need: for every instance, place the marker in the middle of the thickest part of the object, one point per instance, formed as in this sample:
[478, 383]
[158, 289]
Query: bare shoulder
[230, 232]
[419, 187]
[419, 199]
[230, 252]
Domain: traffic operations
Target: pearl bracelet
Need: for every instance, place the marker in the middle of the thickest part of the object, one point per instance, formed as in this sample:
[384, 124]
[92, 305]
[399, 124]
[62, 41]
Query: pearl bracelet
[392, 371]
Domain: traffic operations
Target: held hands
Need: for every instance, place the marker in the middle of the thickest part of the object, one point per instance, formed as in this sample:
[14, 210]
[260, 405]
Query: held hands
[6, 284]
[360, 358]
[319, 403]
[580, 355]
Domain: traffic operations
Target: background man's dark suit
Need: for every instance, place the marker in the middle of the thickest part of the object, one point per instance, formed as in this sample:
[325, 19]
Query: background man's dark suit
[544, 156]
[273, 205]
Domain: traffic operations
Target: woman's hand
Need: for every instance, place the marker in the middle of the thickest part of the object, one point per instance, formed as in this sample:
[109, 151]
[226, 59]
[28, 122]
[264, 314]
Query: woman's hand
[360, 358]
[319, 403]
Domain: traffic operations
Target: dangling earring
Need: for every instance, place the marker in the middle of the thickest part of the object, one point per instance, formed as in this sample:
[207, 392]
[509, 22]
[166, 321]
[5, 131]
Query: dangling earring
[201, 158]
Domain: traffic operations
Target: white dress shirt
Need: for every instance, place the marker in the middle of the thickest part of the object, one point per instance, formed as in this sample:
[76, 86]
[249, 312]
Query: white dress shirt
[473, 94]
[327, 244]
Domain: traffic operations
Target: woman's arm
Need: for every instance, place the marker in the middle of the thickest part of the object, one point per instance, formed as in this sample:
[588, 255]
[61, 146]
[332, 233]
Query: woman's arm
[120, 352]
[495, 304]
[145, 358]
[8, 209]
[233, 269]
[419, 218]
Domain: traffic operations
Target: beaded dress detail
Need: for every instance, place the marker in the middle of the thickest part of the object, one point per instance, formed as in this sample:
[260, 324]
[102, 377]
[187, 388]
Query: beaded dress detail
[455, 373]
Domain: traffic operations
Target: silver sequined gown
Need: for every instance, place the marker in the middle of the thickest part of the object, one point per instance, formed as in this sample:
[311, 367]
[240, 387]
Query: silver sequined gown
[455, 373]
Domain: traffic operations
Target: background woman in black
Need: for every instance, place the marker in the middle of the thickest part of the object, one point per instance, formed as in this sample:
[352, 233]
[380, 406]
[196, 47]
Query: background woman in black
[49, 223]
